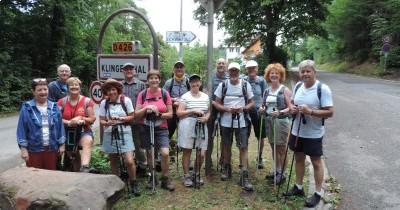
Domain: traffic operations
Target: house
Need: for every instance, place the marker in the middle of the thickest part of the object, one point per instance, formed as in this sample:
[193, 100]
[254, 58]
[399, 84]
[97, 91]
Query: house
[253, 49]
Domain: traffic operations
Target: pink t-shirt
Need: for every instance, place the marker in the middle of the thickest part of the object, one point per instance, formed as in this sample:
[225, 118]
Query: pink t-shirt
[157, 101]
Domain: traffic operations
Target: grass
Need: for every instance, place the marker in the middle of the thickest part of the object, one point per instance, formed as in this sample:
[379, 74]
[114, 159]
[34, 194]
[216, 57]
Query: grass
[216, 194]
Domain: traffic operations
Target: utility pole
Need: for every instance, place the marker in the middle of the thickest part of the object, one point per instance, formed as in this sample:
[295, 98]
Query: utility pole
[180, 29]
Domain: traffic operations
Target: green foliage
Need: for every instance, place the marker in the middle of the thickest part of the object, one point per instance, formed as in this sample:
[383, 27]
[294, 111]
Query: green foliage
[100, 161]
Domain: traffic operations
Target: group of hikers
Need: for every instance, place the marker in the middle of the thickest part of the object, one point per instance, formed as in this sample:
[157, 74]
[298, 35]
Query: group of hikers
[139, 122]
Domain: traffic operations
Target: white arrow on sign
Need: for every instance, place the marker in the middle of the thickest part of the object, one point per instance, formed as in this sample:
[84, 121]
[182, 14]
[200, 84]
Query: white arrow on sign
[180, 36]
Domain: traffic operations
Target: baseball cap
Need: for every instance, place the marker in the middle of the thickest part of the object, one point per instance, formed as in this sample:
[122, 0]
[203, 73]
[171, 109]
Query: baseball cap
[251, 63]
[234, 65]
[194, 76]
[127, 64]
[179, 62]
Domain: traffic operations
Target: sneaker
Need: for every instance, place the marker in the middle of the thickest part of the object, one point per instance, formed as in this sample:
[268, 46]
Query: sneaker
[280, 179]
[187, 180]
[85, 169]
[135, 188]
[199, 181]
[260, 163]
[244, 181]
[166, 184]
[224, 172]
[313, 200]
[294, 192]
[150, 182]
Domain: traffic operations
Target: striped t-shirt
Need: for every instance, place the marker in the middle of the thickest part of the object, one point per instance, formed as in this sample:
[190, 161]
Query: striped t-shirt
[196, 103]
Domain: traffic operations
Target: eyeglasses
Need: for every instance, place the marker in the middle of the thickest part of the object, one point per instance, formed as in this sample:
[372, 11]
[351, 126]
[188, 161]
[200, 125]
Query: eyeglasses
[128, 69]
[37, 80]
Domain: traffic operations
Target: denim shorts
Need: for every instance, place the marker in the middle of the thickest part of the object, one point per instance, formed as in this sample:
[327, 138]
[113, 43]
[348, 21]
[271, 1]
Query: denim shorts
[161, 139]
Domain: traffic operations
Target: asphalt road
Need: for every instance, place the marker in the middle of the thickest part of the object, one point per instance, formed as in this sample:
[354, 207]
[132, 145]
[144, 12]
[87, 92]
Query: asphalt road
[362, 144]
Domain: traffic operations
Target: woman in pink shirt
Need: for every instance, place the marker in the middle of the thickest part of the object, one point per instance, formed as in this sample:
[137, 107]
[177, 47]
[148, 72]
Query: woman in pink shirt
[157, 103]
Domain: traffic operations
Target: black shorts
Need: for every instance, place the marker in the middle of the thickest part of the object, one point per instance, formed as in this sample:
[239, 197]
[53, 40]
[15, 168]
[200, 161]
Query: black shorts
[256, 121]
[309, 146]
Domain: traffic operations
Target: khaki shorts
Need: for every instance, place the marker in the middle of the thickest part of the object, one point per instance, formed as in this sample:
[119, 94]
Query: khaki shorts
[282, 130]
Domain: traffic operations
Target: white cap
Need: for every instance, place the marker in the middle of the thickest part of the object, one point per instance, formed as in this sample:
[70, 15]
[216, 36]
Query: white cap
[234, 65]
[251, 63]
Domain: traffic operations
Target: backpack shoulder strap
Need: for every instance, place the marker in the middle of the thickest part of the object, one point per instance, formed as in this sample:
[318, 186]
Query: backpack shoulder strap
[298, 85]
[171, 86]
[224, 89]
[64, 101]
[87, 101]
[319, 87]
[144, 93]
[187, 83]
[122, 101]
[164, 96]
[244, 90]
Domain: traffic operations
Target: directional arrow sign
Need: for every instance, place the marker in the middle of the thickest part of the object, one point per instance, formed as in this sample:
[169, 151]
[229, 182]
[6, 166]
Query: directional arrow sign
[180, 36]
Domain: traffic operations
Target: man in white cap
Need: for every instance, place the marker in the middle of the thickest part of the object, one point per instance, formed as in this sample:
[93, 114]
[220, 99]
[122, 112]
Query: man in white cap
[258, 85]
[233, 98]
[131, 88]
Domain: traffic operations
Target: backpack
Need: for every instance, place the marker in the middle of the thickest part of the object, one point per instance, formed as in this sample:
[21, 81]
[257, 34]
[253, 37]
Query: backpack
[64, 101]
[172, 85]
[319, 92]
[225, 88]
[163, 95]
[280, 98]
[259, 82]
[121, 101]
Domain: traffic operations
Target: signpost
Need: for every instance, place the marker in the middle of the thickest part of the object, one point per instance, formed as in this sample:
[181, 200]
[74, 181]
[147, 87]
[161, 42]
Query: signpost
[110, 66]
[95, 92]
[387, 39]
[180, 36]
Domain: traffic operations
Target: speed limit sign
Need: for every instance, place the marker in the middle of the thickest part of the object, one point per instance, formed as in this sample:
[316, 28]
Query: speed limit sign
[95, 92]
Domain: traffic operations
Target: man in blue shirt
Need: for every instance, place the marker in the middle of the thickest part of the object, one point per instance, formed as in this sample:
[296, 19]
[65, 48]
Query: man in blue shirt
[58, 88]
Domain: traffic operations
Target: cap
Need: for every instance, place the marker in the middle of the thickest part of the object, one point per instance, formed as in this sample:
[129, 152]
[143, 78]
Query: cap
[251, 63]
[194, 76]
[127, 64]
[179, 62]
[234, 65]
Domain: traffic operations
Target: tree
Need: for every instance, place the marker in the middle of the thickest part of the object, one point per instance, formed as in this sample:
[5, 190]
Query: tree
[244, 20]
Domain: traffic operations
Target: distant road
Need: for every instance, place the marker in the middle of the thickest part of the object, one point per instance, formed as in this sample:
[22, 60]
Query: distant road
[9, 151]
[362, 142]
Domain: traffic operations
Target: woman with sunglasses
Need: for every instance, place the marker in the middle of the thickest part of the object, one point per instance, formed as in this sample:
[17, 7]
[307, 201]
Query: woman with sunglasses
[40, 130]
[78, 116]
[156, 103]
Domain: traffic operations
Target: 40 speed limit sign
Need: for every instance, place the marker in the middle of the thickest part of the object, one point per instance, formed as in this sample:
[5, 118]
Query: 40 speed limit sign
[95, 92]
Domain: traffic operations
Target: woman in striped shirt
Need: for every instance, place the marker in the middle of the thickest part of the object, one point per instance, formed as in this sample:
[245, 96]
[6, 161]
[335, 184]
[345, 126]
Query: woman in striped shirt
[193, 113]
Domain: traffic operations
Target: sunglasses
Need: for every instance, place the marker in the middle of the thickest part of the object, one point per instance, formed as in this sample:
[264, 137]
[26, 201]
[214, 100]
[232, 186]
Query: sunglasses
[37, 80]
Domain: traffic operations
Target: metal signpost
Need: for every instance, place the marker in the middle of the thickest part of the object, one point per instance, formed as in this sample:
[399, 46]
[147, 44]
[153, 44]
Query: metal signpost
[387, 39]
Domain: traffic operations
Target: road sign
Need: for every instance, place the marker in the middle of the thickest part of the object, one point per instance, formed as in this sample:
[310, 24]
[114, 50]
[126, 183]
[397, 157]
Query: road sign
[180, 36]
[95, 92]
[110, 66]
[386, 47]
[123, 47]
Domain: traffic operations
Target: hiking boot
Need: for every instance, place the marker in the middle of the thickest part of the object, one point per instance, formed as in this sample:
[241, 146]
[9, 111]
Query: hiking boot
[280, 179]
[229, 171]
[199, 181]
[141, 170]
[312, 201]
[244, 181]
[294, 192]
[166, 184]
[260, 163]
[85, 169]
[150, 182]
[135, 188]
[187, 180]
[224, 172]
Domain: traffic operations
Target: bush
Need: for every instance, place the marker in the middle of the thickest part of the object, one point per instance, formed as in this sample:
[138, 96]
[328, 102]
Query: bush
[100, 161]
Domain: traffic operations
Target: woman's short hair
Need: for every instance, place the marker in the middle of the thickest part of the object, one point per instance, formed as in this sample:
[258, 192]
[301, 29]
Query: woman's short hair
[278, 68]
[38, 81]
[154, 72]
[72, 80]
[307, 63]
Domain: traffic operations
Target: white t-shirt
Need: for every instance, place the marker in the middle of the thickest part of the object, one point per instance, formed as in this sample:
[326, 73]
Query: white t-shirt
[45, 124]
[190, 102]
[233, 97]
[313, 127]
[116, 110]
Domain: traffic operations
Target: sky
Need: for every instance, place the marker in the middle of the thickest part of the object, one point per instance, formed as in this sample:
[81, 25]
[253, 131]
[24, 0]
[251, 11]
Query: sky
[164, 15]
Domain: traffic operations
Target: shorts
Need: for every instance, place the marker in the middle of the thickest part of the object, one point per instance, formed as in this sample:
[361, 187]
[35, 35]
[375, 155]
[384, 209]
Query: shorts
[309, 146]
[69, 146]
[187, 134]
[161, 139]
[255, 121]
[124, 144]
[240, 135]
[282, 130]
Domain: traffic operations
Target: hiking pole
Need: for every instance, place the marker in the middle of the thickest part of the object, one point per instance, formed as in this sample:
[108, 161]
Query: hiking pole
[197, 161]
[294, 153]
[274, 122]
[123, 172]
[259, 141]
[286, 152]
[213, 135]
[153, 171]
[177, 147]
